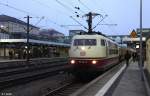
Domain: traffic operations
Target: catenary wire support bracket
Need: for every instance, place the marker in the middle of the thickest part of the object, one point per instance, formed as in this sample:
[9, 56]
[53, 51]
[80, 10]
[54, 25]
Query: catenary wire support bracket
[28, 45]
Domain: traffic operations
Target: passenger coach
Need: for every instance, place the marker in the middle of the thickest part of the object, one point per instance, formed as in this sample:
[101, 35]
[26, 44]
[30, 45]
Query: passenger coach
[147, 65]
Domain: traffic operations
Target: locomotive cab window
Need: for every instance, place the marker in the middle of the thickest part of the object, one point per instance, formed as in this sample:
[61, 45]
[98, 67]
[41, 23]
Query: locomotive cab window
[84, 42]
[103, 42]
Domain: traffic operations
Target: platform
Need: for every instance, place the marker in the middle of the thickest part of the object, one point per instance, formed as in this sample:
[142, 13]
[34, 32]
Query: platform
[131, 83]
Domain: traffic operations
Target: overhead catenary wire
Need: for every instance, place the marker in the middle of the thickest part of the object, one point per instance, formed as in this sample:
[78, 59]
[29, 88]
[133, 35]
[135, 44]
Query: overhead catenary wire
[95, 4]
[20, 10]
[109, 24]
[102, 10]
[76, 7]
[99, 22]
[79, 23]
[65, 6]
[69, 9]
[45, 5]
[53, 22]
[84, 5]
[17, 9]
[111, 27]
[39, 21]
[23, 11]
[48, 6]
[70, 25]
[49, 19]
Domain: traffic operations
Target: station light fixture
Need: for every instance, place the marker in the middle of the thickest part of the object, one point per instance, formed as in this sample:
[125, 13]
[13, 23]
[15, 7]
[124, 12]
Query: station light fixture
[137, 46]
[26, 47]
[1, 26]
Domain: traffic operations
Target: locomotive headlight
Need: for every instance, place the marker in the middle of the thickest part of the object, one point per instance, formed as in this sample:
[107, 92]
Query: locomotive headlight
[72, 61]
[82, 48]
[94, 62]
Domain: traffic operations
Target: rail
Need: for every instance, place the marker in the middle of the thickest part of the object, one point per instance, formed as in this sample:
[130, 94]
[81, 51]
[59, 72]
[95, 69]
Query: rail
[18, 63]
[99, 82]
[10, 76]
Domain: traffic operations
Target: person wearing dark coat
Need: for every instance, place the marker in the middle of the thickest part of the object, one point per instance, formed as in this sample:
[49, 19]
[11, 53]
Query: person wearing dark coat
[127, 57]
[10, 54]
[134, 56]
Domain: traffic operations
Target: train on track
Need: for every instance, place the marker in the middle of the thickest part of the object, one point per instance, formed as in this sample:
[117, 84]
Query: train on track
[90, 54]
[147, 64]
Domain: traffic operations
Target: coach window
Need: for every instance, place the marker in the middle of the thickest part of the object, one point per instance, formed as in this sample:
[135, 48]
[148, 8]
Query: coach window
[102, 42]
[109, 44]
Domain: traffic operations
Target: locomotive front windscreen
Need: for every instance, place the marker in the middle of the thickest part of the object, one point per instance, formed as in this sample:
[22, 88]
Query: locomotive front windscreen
[84, 42]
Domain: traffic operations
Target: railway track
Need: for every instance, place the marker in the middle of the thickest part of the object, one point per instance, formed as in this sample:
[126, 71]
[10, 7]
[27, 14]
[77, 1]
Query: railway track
[19, 75]
[18, 70]
[72, 87]
[66, 89]
[63, 90]
[33, 62]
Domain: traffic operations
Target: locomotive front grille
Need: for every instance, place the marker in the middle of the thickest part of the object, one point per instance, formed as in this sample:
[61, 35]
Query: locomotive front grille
[82, 62]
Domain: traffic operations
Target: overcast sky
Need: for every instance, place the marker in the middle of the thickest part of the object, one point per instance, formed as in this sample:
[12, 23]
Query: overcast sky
[124, 13]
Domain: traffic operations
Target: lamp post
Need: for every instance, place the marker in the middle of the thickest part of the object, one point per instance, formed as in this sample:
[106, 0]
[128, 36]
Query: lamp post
[141, 54]
[28, 45]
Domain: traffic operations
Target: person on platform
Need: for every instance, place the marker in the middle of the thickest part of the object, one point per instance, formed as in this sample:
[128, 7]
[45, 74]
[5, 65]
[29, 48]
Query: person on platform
[10, 54]
[134, 56]
[127, 57]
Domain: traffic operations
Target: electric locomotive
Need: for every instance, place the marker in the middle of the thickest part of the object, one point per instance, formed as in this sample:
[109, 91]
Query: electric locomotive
[92, 53]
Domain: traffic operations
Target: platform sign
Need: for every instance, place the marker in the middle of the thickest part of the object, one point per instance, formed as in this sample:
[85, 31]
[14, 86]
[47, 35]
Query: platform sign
[133, 34]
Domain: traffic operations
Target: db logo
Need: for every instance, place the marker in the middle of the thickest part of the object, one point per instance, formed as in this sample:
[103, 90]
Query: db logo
[82, 53]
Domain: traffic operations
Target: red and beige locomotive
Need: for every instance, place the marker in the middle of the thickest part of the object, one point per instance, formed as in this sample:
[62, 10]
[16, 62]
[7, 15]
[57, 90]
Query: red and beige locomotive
[92, 53]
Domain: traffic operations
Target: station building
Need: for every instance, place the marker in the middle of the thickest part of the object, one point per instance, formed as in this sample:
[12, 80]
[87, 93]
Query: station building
[134, 42]
[130, 41]
[43, 43]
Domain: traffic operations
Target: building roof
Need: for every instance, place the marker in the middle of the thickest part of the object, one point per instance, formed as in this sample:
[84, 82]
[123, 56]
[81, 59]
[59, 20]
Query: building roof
[33, 41]
[50, 32]
[5, 18]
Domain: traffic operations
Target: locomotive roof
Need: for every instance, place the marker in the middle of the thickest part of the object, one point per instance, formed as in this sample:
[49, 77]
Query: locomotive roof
[91, 33]
[95, 36]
